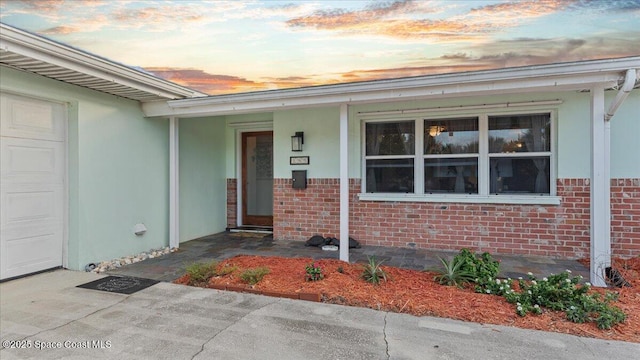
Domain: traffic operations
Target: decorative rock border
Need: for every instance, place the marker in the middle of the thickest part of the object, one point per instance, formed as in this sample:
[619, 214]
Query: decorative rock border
[117, 263]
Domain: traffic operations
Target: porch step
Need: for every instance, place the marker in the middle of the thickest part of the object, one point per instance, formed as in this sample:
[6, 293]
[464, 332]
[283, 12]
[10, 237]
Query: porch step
[252, 229]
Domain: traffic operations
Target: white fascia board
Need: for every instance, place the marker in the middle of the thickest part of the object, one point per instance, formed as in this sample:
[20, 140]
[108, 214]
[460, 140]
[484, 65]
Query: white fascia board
[42, 49]
[357, 94]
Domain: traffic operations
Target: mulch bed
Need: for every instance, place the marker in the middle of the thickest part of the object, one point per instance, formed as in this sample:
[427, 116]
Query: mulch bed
[415, 292]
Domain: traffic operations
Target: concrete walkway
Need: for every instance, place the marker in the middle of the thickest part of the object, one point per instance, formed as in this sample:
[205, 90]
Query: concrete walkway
[225, 245]
[168, 321]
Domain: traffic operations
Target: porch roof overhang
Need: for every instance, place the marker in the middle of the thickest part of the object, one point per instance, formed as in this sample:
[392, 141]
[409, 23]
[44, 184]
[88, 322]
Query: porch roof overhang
[25, 51]
[574, 76]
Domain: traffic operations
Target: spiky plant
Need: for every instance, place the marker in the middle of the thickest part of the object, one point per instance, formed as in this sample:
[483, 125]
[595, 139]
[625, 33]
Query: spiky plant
[372, 272]
[453, 273]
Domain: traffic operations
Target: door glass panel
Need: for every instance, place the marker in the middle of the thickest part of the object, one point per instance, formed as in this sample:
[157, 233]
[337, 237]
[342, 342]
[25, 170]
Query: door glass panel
[259, 181]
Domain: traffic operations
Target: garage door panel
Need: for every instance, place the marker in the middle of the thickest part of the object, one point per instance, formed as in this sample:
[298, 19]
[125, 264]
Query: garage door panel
[32, 118]
[38, 161]
[32, 189]
[31, 206]
[31, 253]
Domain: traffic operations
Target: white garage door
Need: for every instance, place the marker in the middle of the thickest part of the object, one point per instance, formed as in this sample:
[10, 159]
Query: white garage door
[32, 190]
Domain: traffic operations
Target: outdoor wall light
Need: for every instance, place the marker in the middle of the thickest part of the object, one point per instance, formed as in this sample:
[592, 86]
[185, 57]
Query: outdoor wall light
[297, 140]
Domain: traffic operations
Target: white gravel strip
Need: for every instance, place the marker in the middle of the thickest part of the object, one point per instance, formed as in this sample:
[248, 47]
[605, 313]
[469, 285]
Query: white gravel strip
[116, 263]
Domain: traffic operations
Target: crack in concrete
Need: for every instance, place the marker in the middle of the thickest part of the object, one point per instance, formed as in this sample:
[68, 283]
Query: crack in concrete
[384, 333]
[230, 325]
[74, 320]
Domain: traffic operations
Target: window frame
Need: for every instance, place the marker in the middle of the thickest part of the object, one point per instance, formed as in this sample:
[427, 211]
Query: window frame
[387, 157]
[484, 157]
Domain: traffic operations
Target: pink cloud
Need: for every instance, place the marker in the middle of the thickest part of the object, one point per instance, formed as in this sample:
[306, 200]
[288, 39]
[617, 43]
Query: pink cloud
[205, 82]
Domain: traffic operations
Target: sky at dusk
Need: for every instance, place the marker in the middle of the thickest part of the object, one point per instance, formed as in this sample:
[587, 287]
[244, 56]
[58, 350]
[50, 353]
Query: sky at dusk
[220, 47]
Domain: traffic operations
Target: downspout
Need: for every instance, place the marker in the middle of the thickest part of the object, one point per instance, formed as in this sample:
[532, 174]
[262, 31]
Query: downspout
[629, 82]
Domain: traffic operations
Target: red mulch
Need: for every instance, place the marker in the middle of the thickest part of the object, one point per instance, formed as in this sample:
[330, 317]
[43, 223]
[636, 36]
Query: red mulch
[415, 292]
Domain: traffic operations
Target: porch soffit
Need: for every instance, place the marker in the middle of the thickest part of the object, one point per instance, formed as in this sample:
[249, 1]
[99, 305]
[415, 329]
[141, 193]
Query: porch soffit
[542, 78]
[35, 54]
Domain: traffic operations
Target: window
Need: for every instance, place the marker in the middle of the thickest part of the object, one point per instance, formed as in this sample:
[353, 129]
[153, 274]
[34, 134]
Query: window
[519, 153]
[451, 155]
[465, 156]
[390, 154]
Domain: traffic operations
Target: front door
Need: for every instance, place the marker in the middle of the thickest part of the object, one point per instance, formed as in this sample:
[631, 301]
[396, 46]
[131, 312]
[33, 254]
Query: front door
[257, 178]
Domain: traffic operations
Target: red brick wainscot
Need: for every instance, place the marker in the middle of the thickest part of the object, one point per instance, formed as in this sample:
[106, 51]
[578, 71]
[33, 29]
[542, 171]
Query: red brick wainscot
[555, 231]
[232, 203]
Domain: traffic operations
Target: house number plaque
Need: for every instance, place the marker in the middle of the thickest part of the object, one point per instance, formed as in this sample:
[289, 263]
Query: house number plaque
[299, 160]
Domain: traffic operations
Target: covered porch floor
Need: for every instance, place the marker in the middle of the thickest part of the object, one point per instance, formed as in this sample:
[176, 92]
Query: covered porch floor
[226, 244]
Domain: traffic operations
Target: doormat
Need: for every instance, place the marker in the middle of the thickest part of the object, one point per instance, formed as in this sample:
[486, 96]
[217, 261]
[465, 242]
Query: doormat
[119, 284]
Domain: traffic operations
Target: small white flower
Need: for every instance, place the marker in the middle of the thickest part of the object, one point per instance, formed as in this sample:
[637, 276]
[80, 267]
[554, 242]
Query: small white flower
[572, 307]
[519, 277]
[567, 280]
[529, 291]
[530, 273]
[544, 279]
[533, 282]
[519, 308]
[488, 291]
[569, 271]
[498, 281]
[518, 304]
[587, 284]
[536, 306]
[507, 286]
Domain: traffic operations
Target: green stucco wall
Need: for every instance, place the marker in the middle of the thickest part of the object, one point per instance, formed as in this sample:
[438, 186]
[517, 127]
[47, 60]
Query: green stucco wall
[203, 182]
[625, 137]
[321, 141]
[321, 131]
[574, 136]
[257, 122]
[118, 170]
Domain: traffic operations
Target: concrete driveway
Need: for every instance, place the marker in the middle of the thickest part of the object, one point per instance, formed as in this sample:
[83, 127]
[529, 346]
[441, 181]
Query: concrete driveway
[168, 321]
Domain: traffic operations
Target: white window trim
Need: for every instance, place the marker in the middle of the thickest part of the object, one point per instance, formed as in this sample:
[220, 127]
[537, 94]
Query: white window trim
[463, 198]
[483, 196]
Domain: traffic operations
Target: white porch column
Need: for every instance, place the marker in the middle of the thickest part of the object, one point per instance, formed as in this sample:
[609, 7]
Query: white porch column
[600, 189]
[174, 193]
[344, 182]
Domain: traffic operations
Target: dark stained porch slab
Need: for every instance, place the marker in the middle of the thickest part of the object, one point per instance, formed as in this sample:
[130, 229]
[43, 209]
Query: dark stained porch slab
[225, 245]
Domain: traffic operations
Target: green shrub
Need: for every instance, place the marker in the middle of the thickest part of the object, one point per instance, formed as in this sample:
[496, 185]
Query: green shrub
[227, 269]
[200, 272]
[253, 276]
[559, 292]
[562, 293]
[313, 272]
[453, 273]
[482, 268]
[372, 272]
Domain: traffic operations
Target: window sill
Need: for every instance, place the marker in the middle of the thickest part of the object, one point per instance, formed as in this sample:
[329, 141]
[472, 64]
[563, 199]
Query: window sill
[467, 199]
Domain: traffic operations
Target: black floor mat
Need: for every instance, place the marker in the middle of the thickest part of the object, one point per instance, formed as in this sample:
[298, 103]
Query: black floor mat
[119, 284]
